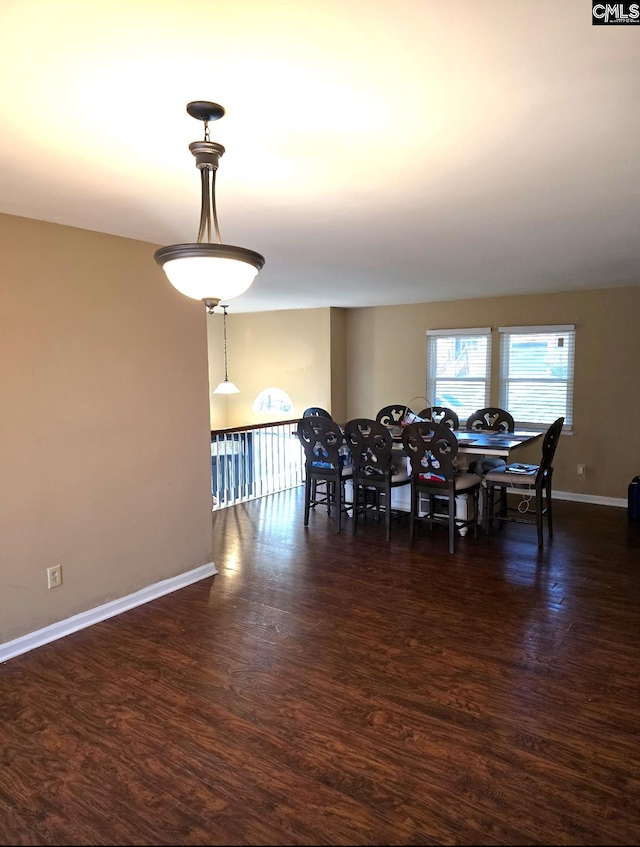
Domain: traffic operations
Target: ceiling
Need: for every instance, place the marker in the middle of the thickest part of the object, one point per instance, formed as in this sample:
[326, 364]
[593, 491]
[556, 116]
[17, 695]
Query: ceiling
[376, 152]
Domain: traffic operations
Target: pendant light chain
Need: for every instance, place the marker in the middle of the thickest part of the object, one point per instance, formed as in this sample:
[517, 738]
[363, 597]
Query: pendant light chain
[225, 387]
[224, 329]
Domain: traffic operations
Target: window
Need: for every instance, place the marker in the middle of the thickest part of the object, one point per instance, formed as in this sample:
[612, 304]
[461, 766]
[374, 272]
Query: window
[536, 374]
[273, 401]
[458, 368]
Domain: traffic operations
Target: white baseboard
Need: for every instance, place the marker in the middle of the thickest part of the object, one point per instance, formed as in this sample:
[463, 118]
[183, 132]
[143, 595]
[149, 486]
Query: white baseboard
[101, 613]
[589, 498]
[596, 499]
[405, 502]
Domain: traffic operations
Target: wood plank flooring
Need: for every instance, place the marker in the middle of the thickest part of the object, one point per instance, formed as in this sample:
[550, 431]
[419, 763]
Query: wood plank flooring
[339, 690]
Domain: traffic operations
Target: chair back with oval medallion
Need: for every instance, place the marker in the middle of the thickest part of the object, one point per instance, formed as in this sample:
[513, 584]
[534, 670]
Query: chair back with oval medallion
[492, 417]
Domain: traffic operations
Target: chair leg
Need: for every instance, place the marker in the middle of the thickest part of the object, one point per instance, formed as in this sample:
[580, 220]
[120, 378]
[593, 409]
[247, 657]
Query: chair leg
[476, 500]
[548, 505]
[307, 500]
[503, 505]
[359, 505]
[452, 521]
[356, 501]
[338, 487]
[539, 518]
[488, 518]
[387, 495]
[412, 514]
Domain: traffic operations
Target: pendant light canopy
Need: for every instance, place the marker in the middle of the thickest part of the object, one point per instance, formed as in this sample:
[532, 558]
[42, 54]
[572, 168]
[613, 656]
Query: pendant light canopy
[225, 387]
[206, 270]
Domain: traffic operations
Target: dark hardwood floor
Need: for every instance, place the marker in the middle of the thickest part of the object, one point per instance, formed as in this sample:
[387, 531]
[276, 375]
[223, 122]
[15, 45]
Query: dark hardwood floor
[330, 689]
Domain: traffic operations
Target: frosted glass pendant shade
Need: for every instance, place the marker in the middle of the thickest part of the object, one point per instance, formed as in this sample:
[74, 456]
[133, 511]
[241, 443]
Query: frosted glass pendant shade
[226, 387]
[209, 272]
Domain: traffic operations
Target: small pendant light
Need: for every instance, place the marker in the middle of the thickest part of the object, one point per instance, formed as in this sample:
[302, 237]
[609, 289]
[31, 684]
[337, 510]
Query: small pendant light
[225, 387]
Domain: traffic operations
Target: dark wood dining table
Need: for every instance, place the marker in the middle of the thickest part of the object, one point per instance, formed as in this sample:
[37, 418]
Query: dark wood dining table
[471, 443]
[489, 443]
[484, 442]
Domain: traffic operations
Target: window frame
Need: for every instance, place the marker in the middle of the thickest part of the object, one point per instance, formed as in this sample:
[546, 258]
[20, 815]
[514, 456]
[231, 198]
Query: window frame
[431, 366]
[505, 333]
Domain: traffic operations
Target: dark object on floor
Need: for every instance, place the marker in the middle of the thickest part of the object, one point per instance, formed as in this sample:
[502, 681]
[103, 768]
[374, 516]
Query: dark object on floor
[633, 506]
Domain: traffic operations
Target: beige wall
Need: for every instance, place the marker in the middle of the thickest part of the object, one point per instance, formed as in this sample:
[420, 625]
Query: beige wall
[104, 429]
[289, 350]
[386, 355]
[338, 406]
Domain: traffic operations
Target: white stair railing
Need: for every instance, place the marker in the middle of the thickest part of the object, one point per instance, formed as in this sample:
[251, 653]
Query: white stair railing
[253, 461]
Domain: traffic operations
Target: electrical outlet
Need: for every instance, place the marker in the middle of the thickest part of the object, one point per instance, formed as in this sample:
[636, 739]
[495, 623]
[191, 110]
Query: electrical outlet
[582, 470]
[54, 576]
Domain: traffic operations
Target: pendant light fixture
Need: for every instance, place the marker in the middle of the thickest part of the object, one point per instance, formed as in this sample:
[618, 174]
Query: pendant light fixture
[225, 387]
[206, 270]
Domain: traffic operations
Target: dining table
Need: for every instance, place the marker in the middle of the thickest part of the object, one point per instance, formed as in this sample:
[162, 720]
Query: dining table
[483, 442]
[486, 442]
[479, 442]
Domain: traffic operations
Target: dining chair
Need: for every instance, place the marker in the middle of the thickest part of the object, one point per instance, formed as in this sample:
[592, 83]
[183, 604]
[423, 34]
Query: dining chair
[316, 410]
[392, 416]
[328, 460]
[532, 480]
[377, 468]
[432, 449]
[491, 417]
[441, 414]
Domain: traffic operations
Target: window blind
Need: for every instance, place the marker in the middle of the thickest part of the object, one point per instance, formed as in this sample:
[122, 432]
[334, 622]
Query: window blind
[458, 369]
[536, 374]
